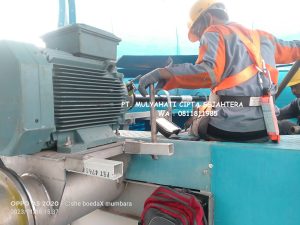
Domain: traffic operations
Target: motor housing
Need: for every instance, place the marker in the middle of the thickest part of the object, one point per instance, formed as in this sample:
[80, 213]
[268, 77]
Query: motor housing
[67, 96]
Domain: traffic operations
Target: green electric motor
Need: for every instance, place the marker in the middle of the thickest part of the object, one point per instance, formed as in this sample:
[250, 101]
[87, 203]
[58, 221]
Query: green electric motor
[66, 97]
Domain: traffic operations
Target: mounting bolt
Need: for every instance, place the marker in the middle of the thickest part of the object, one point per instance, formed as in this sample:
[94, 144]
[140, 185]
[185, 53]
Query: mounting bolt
[154, 157]
[68, 141]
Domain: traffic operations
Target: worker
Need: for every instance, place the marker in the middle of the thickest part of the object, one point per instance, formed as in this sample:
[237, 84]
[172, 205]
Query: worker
[291, 110]
[294, 84]
[237, 63]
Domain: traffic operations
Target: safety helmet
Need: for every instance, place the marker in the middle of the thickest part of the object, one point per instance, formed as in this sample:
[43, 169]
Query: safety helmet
[197, 9]
[295, 80]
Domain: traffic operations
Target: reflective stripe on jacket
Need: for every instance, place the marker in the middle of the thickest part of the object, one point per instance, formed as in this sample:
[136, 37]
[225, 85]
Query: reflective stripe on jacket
[221, 55]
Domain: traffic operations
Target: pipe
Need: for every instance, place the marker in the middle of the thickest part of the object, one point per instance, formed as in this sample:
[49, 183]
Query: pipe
[295, 130]
[38, 197]
[152, 114]
[84, 194]
[153, 118]
[14, 202]
[183, 98]
[287, 78]
[81, 194]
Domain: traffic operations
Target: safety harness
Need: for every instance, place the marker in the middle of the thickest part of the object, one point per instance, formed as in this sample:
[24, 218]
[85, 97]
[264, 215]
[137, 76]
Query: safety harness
[258, 68]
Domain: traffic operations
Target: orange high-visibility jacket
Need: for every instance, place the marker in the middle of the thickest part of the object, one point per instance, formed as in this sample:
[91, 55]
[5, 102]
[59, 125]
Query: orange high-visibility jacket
[223, 57]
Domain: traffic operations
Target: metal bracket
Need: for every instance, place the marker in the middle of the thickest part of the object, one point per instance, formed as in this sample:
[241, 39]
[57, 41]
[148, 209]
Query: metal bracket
[149, 148]
[103, 168]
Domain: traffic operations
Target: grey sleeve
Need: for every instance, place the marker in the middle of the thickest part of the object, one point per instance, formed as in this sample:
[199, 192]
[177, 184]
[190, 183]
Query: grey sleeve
[210, 40]
[290, 111]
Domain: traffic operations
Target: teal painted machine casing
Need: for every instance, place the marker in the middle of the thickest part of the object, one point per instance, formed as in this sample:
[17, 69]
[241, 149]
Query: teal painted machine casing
[250, 183]
[26, 99]
[257, 183]
[65, 97]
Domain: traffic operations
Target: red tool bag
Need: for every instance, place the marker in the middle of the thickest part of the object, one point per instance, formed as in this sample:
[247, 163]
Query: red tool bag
[166, 206]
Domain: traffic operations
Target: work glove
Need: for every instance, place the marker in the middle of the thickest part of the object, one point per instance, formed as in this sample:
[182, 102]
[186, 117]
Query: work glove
[153, 77]
[150, 78]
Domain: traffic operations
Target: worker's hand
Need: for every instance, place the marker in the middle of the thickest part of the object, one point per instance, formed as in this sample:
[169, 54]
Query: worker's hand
[150, 78]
